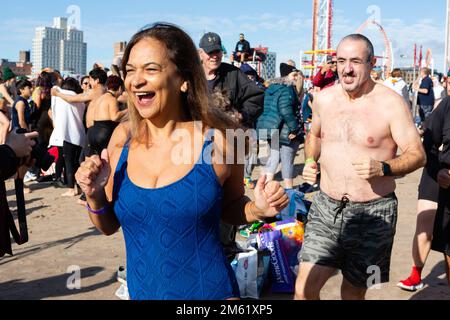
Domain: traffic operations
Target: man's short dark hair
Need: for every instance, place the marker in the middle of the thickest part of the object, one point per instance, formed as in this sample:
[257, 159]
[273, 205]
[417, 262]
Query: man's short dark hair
[360, 37]
[100, 75]
[22, 84]
[397, 73]
[114, 83]
[72, 84]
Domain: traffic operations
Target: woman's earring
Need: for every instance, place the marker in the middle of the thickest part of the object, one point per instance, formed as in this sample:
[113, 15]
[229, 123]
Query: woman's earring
[185, 87]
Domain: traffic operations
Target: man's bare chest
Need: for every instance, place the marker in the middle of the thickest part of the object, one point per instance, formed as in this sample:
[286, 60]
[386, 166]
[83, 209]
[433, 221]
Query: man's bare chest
[365, 128]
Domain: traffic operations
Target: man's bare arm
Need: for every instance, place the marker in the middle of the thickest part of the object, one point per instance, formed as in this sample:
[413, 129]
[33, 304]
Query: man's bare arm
[20, 107]
[408, 140]
[6, 95]
[313, 140]
[114, 112]
[123, 98]
[79, 98]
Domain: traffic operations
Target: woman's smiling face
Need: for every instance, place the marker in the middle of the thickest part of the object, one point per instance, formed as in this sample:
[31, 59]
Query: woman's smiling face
[152, 81]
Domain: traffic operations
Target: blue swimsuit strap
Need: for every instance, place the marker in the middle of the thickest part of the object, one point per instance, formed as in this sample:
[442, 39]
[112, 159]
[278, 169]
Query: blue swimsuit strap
[125, 151]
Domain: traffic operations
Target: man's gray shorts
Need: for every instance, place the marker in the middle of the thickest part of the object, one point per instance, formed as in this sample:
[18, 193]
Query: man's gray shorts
[356, 238]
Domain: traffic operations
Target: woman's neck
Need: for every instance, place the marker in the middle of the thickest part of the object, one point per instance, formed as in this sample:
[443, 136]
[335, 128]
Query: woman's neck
[161, 129]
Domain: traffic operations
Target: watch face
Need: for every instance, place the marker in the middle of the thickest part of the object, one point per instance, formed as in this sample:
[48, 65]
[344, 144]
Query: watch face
[387, 169]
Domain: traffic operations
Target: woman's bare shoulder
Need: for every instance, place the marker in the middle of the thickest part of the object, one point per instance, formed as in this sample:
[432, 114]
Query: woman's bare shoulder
[120, 136]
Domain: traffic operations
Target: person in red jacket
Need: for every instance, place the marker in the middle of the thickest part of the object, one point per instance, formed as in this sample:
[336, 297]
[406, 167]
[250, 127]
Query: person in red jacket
[327, 76]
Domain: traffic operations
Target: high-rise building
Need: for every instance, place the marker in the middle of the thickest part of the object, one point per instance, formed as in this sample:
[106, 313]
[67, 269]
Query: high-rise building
[59, 47]
[24, 56]
[267, 69]
[271, 65]
[119, 49]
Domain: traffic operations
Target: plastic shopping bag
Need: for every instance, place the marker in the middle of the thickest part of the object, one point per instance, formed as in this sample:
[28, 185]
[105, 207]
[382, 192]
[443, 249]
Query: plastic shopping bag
[284, 241]
[251, 269]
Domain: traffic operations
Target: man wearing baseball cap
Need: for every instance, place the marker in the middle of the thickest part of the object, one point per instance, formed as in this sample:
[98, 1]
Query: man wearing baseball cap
[244, 95]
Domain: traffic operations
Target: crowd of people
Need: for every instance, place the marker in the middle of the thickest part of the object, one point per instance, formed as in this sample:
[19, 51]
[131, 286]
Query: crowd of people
[110, 135]
[58, 109]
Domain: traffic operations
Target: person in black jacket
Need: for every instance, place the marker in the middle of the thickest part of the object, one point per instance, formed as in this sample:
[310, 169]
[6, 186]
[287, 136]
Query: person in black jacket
[245, 97]
[438, 134]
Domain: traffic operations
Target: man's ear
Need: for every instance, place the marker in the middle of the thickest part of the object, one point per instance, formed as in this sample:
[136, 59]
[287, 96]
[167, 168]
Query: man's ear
[184, 87]
[374, 61]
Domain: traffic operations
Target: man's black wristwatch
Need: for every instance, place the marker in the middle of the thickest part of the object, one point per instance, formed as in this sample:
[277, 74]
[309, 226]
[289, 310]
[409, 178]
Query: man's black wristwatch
[387, 172]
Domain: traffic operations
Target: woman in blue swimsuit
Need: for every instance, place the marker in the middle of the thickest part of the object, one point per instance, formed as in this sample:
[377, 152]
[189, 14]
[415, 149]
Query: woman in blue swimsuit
[164, 179]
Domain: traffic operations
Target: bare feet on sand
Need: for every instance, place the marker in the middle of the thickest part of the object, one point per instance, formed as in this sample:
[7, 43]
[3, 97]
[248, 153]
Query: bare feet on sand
[71, 193]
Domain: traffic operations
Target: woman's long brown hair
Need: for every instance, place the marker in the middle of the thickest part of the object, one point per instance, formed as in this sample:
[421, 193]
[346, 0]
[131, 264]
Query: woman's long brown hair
[197, 103]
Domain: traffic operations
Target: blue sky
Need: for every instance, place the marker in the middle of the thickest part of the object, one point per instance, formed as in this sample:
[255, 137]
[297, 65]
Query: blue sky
[285, 26]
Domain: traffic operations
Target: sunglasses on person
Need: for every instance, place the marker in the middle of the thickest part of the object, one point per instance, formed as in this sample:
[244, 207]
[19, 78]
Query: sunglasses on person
[158, 25]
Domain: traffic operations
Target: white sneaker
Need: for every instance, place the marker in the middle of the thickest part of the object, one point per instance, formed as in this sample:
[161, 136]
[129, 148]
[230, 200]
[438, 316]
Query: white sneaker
[29, 176]
[409, 285]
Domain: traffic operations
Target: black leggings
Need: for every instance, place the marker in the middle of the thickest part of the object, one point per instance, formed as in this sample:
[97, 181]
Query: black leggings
[71, 158]
[60, 165]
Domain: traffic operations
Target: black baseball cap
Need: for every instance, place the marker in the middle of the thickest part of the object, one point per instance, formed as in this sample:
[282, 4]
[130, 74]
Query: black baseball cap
[210, 42]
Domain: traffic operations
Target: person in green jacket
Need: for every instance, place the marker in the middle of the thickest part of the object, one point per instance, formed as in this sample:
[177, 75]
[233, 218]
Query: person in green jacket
[280, 123]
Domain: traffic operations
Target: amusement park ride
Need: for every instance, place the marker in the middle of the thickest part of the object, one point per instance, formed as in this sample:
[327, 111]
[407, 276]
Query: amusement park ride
[322, 44]
[322, 39]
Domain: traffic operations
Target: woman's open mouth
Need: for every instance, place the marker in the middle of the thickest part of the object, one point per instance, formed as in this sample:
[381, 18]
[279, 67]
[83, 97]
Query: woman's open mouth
[145, 99]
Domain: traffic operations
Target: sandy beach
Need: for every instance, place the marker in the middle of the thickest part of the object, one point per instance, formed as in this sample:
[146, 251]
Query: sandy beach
[63, 239]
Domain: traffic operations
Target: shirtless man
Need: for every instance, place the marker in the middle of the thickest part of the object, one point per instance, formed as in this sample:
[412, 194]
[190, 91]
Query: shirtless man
[97, 79]
[104, 115]
[357, 128]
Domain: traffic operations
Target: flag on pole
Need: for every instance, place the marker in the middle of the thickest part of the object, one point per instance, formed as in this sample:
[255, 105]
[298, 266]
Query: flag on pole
[415, 55]
[420, 58]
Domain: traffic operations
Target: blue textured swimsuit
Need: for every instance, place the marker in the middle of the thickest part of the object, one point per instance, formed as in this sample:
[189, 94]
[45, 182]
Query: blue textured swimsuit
[172, 236]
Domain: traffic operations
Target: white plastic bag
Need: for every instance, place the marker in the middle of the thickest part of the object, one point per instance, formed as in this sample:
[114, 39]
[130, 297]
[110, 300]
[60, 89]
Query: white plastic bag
[251, 269]
[122, 292]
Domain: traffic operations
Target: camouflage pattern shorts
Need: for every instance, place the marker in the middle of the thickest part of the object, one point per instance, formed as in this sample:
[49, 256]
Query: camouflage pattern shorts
[356, 238]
